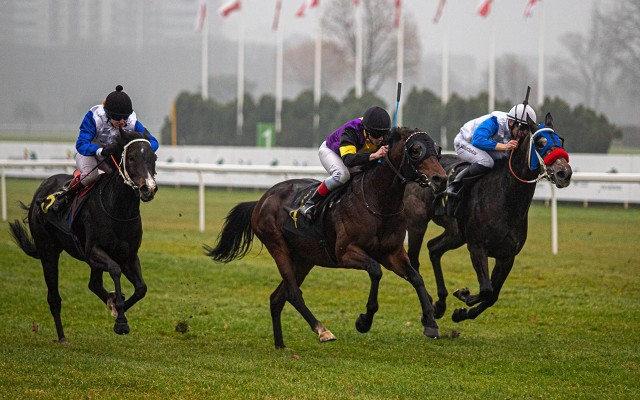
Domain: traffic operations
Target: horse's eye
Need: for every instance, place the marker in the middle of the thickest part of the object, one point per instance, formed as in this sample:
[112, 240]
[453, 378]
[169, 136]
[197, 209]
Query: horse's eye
[541, 143]
[417, 152]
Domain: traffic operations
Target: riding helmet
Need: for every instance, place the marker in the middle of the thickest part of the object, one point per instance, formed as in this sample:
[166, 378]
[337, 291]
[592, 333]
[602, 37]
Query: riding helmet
[118, 103]
[376, 121]
[518, 111]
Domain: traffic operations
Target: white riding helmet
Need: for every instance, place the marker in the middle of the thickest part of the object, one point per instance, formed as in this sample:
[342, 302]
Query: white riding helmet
[518, 113]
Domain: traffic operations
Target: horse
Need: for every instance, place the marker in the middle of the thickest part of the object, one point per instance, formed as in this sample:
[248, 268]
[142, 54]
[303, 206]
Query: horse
[364, 228]
[105, 232]
[491, 218]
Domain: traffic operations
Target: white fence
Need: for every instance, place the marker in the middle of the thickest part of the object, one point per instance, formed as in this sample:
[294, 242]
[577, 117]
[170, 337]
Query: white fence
[264, 176]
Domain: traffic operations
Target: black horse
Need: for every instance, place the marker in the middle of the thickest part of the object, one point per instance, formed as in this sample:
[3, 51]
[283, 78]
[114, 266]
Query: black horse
[365, 228]
[492, 216]
[106, 231]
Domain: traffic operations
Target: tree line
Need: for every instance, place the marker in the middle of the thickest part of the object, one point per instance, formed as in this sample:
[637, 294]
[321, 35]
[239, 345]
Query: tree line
[213, 123]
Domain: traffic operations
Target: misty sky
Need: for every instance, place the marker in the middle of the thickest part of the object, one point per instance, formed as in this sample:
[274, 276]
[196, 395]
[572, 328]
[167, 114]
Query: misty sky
[468, 32]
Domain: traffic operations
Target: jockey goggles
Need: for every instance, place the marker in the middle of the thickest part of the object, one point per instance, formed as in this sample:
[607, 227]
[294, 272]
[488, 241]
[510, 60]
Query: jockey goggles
[118, 117]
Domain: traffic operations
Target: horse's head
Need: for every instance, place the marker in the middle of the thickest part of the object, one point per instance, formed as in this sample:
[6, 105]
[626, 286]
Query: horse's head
[548, 154]
[417, 156]
[138, 164]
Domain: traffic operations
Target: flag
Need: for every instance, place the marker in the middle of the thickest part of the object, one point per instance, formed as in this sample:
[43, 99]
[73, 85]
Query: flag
[306, 4]
[439, 11]
[528, 10]
[396, 21]
[484, 7]
[356, 2]
[276, 15]
[202, 14]
[229, 7]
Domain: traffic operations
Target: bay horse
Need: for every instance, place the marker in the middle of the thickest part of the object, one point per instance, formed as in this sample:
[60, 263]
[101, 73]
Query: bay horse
[106, 231]
[492, 217]
[364, 228]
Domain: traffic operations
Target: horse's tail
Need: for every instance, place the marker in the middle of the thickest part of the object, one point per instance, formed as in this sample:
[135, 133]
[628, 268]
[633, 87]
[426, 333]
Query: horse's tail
[236, 237]
[22, 239]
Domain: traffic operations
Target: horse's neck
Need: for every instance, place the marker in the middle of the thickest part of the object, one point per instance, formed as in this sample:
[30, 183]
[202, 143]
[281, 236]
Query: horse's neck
[118, 199]
[517, 195]
[386, 185]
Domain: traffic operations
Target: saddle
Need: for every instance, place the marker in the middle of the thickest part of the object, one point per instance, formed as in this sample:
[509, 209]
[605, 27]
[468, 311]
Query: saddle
[63, 219]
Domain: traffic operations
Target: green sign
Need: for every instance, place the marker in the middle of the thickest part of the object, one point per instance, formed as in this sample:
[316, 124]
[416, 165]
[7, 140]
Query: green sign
[266, 134]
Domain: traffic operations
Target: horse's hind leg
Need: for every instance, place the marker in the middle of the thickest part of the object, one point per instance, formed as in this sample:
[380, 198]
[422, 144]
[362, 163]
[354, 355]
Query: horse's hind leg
[364, 321]
[50, 270]
[276, 304]
[437, 247]
[415, 236]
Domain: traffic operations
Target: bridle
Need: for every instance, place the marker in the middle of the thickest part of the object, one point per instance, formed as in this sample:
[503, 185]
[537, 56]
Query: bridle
[545, 170]
[421, 179]
[122, 167]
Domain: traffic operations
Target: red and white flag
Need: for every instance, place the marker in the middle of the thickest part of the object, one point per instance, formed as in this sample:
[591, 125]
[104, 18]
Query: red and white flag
[396, 20]
[307, 4]
[202, 15]
[484, 7]
[276, 15]
[439, 11]
[229, 7]
[528, 10]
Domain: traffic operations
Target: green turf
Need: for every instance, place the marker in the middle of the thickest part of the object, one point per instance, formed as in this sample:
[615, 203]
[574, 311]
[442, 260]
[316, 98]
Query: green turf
[566, 325]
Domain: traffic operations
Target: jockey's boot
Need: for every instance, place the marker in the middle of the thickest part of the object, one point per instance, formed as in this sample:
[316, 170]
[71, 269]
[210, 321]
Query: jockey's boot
[68, 192]
[308, 209]
[473, 170]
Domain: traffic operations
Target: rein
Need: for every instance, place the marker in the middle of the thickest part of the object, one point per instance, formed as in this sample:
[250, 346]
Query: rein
[371, 210]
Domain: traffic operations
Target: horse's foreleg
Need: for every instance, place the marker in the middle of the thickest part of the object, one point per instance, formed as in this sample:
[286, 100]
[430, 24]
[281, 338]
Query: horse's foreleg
[364, 321]
[50, 270]
[96, 285]
[133, 273]
[437, 247]
[480, 261]
[415, 236]
[99, 259]
[399, 263]
[498, 277]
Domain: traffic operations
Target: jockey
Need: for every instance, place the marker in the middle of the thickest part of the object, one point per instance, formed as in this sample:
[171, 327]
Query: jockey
[488, 138]
[355, 143]
[98, 139]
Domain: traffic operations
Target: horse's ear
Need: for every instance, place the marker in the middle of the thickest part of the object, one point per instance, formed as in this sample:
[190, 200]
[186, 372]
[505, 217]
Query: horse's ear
[548, 120]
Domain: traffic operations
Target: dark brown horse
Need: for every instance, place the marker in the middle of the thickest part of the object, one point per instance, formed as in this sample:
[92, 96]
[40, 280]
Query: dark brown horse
[364, 229]
[492, 218]
[106, 233]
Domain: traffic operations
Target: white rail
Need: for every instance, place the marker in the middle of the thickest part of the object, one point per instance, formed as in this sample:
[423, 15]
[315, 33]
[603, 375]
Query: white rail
[282, 171]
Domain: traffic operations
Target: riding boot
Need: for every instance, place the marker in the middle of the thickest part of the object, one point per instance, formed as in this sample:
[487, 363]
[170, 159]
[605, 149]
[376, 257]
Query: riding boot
[68, 192]
[308, 209]
[473, 170]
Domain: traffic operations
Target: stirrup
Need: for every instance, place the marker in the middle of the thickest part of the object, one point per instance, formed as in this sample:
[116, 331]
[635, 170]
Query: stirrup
[308, 211]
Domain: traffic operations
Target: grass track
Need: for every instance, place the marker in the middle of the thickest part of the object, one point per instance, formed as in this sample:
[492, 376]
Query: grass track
[566, 326]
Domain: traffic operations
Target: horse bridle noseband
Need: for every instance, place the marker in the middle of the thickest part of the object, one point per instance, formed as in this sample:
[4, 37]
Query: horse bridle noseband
[422, 179]
[541, 176]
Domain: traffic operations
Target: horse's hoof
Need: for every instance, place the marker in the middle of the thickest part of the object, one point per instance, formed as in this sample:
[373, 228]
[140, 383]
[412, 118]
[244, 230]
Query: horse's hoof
[430, 332]
[62, 340]
[438, 309]
[462, 294]
[459, 314]
[121, 328]
[363, 324]
[326, 336]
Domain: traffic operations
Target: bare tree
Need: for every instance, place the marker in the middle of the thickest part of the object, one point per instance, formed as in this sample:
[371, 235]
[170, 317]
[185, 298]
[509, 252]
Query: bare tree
[514, 75]
[379, 39]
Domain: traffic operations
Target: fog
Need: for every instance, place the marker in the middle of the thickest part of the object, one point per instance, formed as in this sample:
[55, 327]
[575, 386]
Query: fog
[60, 58]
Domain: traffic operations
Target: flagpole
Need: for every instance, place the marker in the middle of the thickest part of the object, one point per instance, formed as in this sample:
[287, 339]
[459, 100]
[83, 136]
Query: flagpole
[492, 63]
[240, 94]
[358, 56]
[445, 74]
[278, 121]
[540, 5]
[205, 57]
[318, 75]
[400, 58]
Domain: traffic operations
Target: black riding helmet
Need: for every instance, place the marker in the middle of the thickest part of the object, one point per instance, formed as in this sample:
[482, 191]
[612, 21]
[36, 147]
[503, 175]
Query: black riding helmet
[376, 121]
[118, 105]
